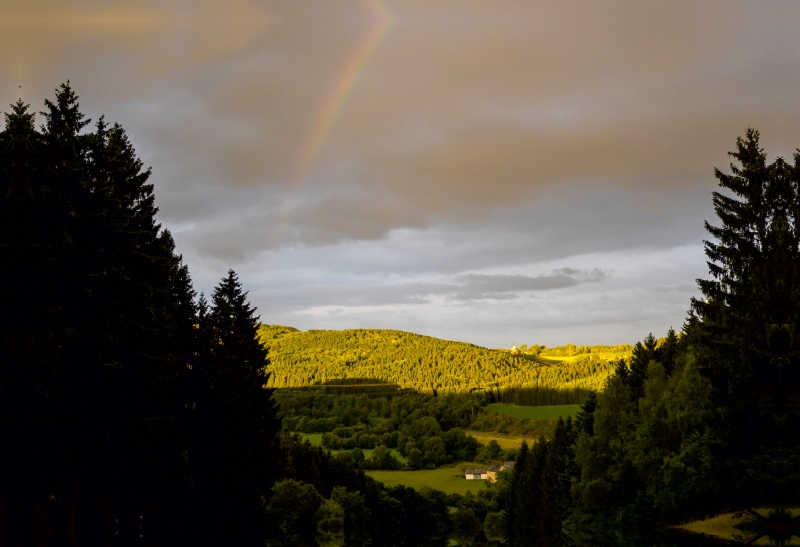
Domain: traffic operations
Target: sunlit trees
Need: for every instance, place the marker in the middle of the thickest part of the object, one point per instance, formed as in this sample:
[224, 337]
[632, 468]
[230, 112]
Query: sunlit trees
[423, 363]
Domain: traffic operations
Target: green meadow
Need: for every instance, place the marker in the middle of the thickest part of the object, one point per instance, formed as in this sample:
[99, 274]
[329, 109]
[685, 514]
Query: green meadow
[447, 478]
[506, 442]
[553, 412]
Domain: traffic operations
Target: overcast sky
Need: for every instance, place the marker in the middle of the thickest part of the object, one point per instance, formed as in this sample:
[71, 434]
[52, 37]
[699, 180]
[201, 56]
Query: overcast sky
[501, 172]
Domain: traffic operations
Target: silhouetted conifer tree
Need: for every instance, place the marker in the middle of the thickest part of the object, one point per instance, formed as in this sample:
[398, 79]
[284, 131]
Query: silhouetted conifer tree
[556, 501]
[748, 329]
[236, 454]
[90, 367]
[584, 421]
[512, 511]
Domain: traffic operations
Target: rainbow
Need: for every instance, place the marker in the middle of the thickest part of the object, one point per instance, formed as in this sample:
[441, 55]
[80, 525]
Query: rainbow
[342, 87]
[330, 109]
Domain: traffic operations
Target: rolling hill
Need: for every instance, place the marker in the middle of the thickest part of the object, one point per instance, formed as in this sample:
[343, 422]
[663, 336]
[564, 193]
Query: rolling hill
[305, 358]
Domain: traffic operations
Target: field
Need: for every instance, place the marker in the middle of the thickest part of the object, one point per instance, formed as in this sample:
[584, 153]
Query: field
[448, 478]
[505, 441]
[554, 412]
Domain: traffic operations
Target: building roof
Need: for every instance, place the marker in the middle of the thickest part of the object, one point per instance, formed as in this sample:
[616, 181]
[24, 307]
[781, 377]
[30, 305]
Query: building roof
[494, 467]
[509, 465]
[475, 471]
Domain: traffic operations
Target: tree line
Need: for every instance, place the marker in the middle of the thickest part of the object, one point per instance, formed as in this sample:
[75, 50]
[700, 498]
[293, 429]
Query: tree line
[693, 424]
[426, 431]
[129, 407]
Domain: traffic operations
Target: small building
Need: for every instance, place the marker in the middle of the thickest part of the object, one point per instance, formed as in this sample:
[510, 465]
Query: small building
[490, 473]
[476, 474]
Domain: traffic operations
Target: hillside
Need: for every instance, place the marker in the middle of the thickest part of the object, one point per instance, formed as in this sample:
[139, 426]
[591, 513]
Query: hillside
[303, 358]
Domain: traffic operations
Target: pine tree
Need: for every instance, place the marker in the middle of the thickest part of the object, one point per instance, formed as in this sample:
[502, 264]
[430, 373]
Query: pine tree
[556, 501]
[89, 321]
[236, 447]
[643, 353]
[512, 513]
[746, 330]
[668, 351]
[584, 421]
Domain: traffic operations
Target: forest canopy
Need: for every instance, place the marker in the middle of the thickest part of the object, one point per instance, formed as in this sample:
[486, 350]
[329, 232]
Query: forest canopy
[424, 363]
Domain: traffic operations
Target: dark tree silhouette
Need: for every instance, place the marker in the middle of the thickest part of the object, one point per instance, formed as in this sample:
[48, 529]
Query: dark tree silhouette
[748, 326]
[100, 350]
[235, 454]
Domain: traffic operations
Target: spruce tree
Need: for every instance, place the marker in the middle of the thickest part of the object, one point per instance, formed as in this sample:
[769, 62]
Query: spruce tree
[746, 329]
[513, 515]
[95, 307]
[236, 454]
[556, 500]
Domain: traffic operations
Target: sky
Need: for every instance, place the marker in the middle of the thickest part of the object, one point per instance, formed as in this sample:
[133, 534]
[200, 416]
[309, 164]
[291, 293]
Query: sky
[505, 172]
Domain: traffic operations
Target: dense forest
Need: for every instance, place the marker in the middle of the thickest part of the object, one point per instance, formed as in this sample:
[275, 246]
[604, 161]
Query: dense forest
[426, 364]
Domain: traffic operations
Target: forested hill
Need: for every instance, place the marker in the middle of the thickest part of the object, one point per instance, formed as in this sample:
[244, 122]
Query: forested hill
[424, 363]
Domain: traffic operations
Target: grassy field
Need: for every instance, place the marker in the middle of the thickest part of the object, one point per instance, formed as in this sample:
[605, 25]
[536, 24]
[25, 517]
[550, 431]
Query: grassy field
[505, 441]
[448, 478]
[554, 412]
[313, 438]
[557, 359]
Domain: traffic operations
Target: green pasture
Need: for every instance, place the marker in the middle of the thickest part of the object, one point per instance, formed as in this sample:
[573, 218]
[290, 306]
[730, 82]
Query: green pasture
[313, 438]
[605, 355]
[553, 412]
[506, 442]
[447, 478]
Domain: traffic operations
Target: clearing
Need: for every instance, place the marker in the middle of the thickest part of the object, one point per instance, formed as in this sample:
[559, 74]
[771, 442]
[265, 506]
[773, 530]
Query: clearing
[553, 412]
[447, 478]
[506, 442]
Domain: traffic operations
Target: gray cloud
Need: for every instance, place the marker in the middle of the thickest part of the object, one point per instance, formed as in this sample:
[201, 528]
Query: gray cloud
[475, 146]
[459, 290]
[464, 109]
[479, 287]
